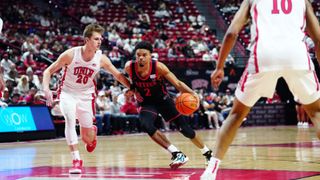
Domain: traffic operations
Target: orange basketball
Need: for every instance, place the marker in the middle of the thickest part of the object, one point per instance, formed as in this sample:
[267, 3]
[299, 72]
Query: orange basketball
[187, 104]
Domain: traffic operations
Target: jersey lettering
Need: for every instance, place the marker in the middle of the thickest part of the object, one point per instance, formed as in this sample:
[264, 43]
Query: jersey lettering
[147, 92]
[285, 9]
[83, 74]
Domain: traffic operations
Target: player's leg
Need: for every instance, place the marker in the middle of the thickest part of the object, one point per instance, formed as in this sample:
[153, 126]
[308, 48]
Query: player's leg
[168, 111]
[247, 94]
[305, 87]
[313, 111]
[85, 114]
[147, 116]
[68, 109]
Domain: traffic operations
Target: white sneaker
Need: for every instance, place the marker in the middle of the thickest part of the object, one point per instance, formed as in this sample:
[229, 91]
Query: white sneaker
[305, 124]
[211, 171]
[178, 159]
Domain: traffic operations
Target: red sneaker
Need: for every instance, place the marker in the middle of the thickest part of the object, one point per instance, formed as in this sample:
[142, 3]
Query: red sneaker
[76, 167]
[90, 147]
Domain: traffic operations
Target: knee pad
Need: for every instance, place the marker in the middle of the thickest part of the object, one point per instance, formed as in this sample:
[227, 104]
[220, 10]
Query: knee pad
[148, 128]
[147, 122]
[184, 128]
[187, 131]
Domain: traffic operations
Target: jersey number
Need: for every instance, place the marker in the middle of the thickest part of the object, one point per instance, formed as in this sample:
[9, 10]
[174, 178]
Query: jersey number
[82, 79]
[147, 92]
[286, 7]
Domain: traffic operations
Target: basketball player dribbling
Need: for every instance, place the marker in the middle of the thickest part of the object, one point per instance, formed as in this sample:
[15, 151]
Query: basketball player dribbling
[147, 79]
[277, 50]
[77, 89]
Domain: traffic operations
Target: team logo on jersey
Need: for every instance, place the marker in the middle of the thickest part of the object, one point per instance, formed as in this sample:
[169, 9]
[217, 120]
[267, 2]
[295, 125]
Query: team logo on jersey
[152, 76]
[94, 64]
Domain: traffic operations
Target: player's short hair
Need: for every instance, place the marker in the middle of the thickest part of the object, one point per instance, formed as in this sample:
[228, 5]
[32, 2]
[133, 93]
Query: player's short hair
[88, 31]
[144, 45]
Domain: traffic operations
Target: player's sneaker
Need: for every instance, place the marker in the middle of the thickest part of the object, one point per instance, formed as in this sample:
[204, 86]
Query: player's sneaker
[178, 159]
[211, 171]
[207, 155]
[76, 167]
[90, 147]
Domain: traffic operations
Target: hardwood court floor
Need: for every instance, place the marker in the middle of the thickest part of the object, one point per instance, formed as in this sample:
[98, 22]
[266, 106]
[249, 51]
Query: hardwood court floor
[278, 152]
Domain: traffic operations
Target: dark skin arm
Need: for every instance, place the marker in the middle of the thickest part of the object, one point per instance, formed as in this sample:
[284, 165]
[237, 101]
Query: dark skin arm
[313, 28]
[230, 38]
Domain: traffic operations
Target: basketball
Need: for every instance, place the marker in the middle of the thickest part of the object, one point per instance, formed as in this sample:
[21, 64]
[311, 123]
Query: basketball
[187, 104]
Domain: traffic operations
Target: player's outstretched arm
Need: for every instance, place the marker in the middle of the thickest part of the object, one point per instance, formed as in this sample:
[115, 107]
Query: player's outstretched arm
[313, 28]
[64, 59]
[108, 66]
[230, 38]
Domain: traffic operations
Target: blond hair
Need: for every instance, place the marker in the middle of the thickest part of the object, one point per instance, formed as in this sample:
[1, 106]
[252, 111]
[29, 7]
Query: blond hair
[88, 31]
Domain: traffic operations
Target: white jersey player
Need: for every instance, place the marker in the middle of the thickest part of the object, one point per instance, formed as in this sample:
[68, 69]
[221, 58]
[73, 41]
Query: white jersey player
[77, 89]
[277, 50]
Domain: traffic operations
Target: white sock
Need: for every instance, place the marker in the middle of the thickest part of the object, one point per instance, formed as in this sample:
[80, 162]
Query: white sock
[75, 155]
[172, 149]
[204, 149]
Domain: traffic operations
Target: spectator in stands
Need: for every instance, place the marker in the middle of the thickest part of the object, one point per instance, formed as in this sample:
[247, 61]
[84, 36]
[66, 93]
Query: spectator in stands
[15, 99]
[10, 84]
[172, 51]
[113, 37]
[206, 56]
[57, 47]
[143, 20]
[115, 89]
[6, 96]
[116, 2]
[28, 45]
[88, 19]
[130, 109]
[29, 98]
[129, 106]
[180, 9]
[6, 64]
[128, 46]
[115, 56]
[103, 114]
[44, 21]
[23, 85]
[117, 117]
[33, 78]
[28, 61]
[159, 44]
[162, 11]
[45, 51]
[201, 20]
[209, 106]
[39, 98]
[13, 74]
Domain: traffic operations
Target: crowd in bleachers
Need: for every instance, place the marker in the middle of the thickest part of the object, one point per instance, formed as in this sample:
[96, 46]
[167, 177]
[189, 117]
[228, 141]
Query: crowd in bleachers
[33, 38]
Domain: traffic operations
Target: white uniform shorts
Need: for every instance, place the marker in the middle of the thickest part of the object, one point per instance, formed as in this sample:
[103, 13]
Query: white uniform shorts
[78, 106]
[303, 84]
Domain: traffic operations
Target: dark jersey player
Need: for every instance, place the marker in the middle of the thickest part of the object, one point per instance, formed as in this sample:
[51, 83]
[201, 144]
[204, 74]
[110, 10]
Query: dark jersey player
[147, 78]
